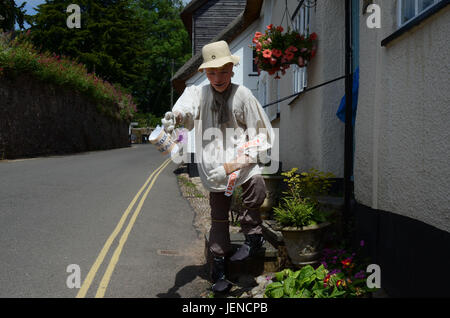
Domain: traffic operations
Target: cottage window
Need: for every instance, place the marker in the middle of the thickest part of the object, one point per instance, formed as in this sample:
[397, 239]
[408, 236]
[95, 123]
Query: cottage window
[301, 24]
[410, 9]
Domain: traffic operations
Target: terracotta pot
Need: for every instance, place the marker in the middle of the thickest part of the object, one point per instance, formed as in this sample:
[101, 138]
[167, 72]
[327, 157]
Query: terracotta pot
[304, 245]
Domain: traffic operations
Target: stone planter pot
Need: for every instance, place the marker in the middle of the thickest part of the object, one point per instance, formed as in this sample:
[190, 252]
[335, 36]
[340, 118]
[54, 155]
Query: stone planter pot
[304, 244]
[273, 184]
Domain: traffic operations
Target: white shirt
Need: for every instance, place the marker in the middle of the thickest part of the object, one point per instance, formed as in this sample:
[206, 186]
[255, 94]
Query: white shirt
[246, 115]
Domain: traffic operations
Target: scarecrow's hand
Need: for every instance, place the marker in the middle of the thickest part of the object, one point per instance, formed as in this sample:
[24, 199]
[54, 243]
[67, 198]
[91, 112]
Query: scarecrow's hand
[168, 122]
[217, 175]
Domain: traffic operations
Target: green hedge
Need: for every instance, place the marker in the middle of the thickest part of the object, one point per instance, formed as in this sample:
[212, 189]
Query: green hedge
[18, 56]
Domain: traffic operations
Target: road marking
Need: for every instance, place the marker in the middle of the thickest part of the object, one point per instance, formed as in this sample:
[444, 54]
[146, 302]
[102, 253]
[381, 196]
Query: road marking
[115, 258]
[93, 271]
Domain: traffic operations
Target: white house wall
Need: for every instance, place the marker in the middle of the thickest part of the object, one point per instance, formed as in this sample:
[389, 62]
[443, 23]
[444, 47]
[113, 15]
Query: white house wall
[310, 133]
[402, 148]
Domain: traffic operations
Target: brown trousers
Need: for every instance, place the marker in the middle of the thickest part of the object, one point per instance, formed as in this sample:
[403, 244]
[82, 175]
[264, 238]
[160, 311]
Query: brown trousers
[253, 195]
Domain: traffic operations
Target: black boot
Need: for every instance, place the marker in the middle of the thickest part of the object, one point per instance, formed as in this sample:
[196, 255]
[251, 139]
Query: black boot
[253, 242]
[221, 285]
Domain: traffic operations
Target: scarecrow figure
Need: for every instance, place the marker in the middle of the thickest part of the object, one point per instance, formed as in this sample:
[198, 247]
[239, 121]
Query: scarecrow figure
[242, 132]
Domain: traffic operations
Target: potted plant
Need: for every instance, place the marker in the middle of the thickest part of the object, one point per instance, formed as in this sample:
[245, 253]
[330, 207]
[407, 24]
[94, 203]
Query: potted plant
[302, 220]
[276, 51]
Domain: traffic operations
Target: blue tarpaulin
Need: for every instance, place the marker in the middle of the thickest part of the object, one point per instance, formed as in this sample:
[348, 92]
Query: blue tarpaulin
[341, 111]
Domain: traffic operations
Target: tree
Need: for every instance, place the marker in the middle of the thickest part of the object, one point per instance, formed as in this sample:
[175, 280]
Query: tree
[10, 13]
[110, 41]
[133, 43]
[169, 46]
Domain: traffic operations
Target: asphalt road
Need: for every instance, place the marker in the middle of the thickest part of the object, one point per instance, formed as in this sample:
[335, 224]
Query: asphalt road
[62, 210]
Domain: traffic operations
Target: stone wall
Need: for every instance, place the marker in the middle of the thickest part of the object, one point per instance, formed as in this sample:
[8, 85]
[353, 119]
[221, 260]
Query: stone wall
[42, 119]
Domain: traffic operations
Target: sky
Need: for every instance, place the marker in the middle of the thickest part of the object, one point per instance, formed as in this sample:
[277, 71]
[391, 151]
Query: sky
[31, 4]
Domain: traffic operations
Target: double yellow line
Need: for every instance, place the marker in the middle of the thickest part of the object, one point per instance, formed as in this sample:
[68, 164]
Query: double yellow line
[115, 258]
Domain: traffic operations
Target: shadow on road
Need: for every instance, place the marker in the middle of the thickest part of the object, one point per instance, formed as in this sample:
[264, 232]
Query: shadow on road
[185, 276]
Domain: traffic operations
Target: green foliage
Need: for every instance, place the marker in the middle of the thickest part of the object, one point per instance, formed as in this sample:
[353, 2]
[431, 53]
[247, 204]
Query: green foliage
[146, 120]
[19, 56]
[10, 14]
[109, 41]
[294, 213]
[299, 206]
[168, 46]
[307, 185]
[126, 42]
[312, 283]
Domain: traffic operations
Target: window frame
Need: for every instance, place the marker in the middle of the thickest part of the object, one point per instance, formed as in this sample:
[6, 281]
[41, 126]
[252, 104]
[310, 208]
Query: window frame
[417, 13]
[301, 24]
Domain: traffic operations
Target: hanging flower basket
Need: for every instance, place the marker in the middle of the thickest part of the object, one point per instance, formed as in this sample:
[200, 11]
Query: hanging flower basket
[276, 51]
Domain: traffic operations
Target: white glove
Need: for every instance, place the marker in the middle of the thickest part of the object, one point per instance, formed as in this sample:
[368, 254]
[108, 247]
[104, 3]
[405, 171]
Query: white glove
[168, 122]
[217, 175]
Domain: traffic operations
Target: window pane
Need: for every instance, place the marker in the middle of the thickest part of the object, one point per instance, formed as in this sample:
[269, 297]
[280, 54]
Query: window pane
[423, 4]
[255, 66]
[408, 10]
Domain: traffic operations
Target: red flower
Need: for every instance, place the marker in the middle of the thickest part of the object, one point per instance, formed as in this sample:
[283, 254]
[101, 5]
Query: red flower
[280, 28]
[325, 281]
[276, 52]
[258, 46]
[313, 36]
[269, 27]
[289, 56]
[273, 61]
[346, 262]
[292, 49]
[267, 53]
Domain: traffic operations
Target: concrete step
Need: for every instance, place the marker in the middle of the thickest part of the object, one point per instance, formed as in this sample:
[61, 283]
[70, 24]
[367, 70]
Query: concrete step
[266, 260]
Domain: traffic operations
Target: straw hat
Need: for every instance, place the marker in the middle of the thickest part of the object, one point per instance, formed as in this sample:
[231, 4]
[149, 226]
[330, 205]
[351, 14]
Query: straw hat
[217, 54]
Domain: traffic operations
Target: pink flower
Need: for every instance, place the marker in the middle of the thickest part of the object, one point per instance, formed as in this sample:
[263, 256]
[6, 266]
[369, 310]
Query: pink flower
[267, 53]
[277, 53]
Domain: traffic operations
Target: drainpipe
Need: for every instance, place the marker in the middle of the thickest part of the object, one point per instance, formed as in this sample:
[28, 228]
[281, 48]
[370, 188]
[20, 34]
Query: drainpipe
[348, 145]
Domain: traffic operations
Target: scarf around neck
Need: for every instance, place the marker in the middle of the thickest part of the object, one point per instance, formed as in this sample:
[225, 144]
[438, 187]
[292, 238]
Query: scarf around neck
[220, 104]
